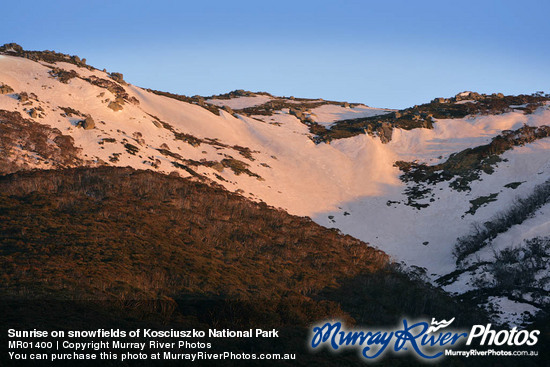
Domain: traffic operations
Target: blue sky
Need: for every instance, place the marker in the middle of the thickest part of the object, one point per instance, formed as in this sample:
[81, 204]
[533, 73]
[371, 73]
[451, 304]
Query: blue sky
[382, 53]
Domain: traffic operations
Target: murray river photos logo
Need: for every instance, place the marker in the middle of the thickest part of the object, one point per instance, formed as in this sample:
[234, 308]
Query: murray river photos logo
[425, 340]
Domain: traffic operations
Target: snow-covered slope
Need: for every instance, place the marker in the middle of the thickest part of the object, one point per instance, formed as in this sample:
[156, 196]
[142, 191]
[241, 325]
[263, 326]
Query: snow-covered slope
[352, 184]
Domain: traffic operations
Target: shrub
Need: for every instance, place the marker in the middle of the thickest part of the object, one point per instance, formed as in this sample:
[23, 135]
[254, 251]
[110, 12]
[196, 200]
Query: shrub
[519, 211]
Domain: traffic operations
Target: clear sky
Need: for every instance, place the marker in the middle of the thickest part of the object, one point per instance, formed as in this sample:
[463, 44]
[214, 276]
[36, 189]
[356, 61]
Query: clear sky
[386, 53]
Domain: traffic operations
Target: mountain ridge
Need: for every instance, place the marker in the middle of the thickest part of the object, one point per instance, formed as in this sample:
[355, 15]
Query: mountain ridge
[335, 162]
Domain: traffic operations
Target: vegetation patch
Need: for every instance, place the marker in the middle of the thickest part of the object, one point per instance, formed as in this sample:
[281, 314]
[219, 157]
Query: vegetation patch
[193, 100]
[153, 243]
[196, 142]
[519, 273]
[477, 203]
[518, 212]
[132, 149]
[19, 135]
[422, 116]
[188, 138]
[245, 152]
[107, 140]
[63, 75]
[514, 185]
[50, 57]
[466, 166]
[238, 167]
[115, 157]
[70, 112]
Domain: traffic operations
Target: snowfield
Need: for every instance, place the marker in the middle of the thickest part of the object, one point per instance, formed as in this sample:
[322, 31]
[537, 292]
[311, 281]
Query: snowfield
[240, 102]
[350, 184]
[326, 115]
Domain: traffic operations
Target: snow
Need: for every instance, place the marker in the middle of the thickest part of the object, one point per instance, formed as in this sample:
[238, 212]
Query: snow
[326, 115]
[353, 180]
[453, 135]
[536, 226]
[240, 102]
[511, 312]
[519, 105]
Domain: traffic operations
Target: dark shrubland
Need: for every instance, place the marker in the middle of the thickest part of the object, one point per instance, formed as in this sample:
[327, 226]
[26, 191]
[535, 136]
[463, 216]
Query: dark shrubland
[164, 249]
[47, 144]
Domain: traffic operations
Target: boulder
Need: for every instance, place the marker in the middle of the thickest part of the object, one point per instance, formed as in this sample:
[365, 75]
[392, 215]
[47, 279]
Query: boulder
[23, 97]
[228, 110]
[200, 101]
[88, 123]
[11, 47]
[218, 166]
[296, 112]
[6, 89]
[117, 77]
[115, 106]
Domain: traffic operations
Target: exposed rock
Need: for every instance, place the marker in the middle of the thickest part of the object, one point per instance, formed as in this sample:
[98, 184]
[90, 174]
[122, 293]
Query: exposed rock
[467, 96]
[11, 48]
[23, 97]
[115, 106]
[228, 109]
[33, 113]
[296, 112]
[69, 112]
[240, 93]
[117, 77]
[218, 166]
[88, 123]
[6, 89]
[63, 75]
[200, 101]
[385, 132]
[133, 100]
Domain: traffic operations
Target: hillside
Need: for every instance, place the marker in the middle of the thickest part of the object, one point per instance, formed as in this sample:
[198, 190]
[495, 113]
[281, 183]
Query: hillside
[414, 183]
[115, 246]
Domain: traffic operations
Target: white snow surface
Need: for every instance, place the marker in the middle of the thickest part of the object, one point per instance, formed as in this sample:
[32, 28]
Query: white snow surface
[511, 312]
[240, 102]
[326, 115]
[352, 180]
